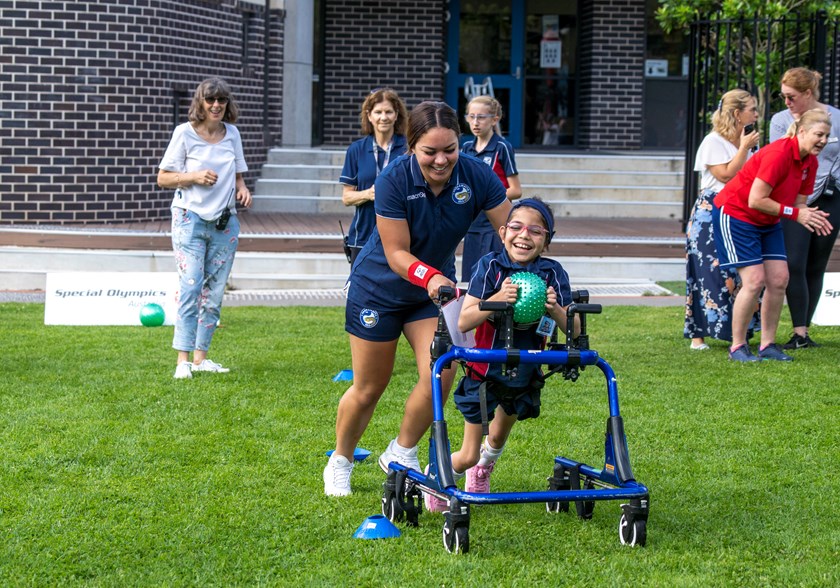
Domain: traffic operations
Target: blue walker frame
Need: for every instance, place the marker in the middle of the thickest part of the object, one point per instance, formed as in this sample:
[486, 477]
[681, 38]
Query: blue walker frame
[402, 498]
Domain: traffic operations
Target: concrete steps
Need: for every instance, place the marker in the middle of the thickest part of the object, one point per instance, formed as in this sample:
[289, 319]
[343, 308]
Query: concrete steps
[584, 185]
[26, 268]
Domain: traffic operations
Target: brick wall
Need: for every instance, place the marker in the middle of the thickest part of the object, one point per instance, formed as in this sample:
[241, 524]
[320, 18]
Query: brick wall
[374, 43]
[88, 95]
[612, 52]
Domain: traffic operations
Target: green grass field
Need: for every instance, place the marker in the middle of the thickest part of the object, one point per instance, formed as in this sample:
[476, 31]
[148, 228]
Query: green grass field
[114, 474]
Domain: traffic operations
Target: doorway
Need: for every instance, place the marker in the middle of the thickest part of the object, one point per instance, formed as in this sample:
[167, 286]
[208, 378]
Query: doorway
[529, 52]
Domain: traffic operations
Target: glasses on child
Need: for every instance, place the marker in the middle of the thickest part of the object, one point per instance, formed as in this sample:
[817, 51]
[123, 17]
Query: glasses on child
[474, 117]
[220, 99]
[533, 230]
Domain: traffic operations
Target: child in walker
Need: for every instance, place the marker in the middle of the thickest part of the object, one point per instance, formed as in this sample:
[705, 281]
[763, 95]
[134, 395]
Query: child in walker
[509, 397]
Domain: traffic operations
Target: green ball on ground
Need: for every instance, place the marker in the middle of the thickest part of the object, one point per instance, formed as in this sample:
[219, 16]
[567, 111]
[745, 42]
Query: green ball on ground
[152, 315]
[530, 303]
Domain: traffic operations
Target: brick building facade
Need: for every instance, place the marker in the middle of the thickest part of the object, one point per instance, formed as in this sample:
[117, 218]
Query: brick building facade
[90, 91]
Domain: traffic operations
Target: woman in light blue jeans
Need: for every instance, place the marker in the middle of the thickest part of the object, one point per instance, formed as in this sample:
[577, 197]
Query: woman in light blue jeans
[204, 163]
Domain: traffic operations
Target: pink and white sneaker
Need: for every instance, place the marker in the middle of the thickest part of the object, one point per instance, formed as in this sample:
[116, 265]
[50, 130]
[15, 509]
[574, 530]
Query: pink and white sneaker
[478, 478]
[432, 502]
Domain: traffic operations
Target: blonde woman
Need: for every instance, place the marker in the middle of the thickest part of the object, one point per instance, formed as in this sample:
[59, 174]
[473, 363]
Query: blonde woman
[772, 185]
[483, 116]
[709, 289]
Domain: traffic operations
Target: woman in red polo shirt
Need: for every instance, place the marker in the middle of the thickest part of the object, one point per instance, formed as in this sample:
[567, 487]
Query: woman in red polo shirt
[773, 184]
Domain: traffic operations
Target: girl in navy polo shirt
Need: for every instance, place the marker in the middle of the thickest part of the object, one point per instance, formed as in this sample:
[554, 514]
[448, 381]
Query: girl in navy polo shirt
[509, 397]
[483, 115]
[772, 185]
[425, 203]
[383, 118]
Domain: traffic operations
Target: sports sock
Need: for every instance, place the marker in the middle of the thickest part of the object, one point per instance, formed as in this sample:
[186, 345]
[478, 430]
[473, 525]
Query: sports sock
[489, 454]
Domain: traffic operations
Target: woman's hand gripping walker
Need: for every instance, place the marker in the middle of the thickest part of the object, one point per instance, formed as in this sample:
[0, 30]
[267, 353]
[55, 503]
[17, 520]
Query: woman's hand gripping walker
[570, 482]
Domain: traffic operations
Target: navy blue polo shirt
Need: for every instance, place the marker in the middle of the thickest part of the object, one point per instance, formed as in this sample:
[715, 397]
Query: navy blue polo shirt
[436, 223]
[361, 166]
[490, 271]
[498, 154]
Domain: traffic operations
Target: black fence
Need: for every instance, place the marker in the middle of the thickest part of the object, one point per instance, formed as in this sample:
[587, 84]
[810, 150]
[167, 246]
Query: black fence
[752, 54]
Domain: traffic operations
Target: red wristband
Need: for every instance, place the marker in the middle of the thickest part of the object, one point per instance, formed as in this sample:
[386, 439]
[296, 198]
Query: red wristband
[790, 212]
[419, 273]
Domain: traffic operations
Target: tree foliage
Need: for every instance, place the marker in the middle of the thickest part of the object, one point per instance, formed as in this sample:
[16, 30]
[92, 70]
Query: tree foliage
[678, 14]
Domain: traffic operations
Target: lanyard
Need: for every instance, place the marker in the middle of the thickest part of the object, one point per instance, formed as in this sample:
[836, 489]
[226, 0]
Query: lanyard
[376, 155]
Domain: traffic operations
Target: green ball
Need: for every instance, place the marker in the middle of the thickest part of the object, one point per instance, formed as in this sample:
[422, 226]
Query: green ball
[530, 303]
[152, 315]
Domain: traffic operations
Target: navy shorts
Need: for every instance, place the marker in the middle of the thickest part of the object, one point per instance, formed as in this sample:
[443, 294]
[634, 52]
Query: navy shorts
[741, 244]
[525, 406]
[373, 318]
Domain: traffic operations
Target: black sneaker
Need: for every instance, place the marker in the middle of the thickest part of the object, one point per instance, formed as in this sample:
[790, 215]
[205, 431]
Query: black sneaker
[799, 342]
[796, 342]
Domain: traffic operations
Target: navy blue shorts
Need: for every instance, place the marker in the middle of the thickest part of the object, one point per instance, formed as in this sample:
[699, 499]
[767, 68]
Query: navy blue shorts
[525, 406]
[373, 318]
[741, 244]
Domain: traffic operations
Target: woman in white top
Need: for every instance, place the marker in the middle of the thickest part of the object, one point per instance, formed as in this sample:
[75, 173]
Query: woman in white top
[204, 163]
[710, 291]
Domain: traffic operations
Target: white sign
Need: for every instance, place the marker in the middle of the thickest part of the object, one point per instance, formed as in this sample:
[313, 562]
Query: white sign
[451, 312]
[656, 68]
[828, 308]
[108, 298]
[550, 53]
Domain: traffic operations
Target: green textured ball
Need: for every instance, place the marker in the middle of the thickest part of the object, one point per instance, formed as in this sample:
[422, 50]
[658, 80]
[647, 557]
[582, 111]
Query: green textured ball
[530, 303]
[152, 315]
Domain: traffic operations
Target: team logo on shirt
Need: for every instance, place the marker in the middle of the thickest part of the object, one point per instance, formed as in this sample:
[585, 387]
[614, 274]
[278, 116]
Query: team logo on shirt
[369, 318]
[461, 194]
[488, 160]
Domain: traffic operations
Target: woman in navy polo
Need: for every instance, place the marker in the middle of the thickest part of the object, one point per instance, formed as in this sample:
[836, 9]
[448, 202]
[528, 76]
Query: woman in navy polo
[383, 118]
[425, 203]
[773, 184]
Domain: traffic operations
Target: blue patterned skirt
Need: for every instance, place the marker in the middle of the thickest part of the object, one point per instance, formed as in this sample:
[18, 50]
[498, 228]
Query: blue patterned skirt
[709, 290]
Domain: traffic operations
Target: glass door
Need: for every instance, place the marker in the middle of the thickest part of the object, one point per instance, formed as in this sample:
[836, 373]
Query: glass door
[528, 50]
[484, 41]
[549, 116]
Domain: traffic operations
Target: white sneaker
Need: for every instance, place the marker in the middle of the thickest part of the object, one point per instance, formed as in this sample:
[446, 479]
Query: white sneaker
[337, 476]
[408, 458]
[183, 371]
[209, 366]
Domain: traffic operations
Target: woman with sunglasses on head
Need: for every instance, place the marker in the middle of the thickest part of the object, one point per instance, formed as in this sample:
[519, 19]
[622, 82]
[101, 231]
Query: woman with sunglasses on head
[383, 117]
[709, 289]
[204, 163]
[425, 203]
[483, 116]
[807, 252]
[771, 186]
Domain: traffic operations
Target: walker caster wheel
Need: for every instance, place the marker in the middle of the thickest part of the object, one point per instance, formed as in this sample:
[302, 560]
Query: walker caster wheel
[555, 507]
[456, 539]
[585, 508]
[632, 533]
[391, 509]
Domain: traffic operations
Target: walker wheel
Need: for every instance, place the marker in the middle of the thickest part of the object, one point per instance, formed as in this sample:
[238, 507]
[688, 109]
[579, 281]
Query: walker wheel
[555, 507]
[632, 533]
[457, 539]
[391, 509]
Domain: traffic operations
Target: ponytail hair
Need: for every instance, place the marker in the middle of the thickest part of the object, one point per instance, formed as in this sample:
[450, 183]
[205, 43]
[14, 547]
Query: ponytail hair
[816, 116]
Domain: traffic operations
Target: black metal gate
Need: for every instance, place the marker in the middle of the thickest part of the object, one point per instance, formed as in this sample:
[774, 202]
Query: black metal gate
[752, 54]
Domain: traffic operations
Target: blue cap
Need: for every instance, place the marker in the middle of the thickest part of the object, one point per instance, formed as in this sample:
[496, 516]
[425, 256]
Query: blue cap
[540, 207]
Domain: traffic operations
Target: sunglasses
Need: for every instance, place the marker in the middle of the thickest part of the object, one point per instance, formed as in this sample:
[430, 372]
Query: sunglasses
[533, 230]
[220, 99]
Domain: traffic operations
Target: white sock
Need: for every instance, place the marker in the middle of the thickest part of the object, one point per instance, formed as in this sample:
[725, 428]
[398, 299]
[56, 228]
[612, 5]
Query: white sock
[400, 449]
[489, 454]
